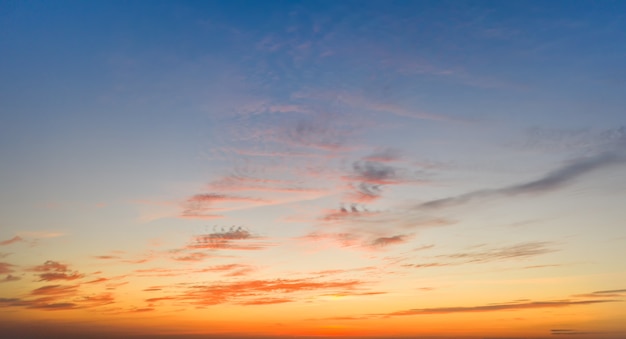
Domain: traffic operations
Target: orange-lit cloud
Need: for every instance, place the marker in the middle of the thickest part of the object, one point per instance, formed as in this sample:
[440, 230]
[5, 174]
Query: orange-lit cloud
[494, 308]
[57, 298]
[257, 292]
[6, 268]
[52, 270]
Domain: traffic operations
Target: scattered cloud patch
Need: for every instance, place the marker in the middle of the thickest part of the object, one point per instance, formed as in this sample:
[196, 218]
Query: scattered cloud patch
[10, 278]
[13, 240]
[6, 268]
[233, 238]
[52, 270]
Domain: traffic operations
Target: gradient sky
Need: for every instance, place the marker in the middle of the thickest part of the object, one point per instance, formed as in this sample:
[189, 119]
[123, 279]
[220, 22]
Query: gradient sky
[389, 169]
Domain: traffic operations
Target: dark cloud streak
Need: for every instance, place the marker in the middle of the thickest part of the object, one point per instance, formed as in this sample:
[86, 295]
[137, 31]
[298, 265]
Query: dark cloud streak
[551, 181]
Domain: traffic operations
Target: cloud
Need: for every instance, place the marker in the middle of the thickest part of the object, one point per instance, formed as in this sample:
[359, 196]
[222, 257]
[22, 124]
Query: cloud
[384, 156]
[11, 241]
[567, 332]
[52, 270]
[10, 278]
[341, 271]
[55, 290]
[258, 292]
[195, 256]
[233, 238]
[386, 241]
[6, 268]
[244, 182]
[604, 294]
[267, 301]
[523, 250]
[40, 234]
[53, 306]
[364, 103]
[97, 280]
[358, 227]
[497, 307]
[106, 257]
[369, 177]
[551, 181]
[560, 140]
[319, 132]
[201, 205]
[58, 297]
[227, 270]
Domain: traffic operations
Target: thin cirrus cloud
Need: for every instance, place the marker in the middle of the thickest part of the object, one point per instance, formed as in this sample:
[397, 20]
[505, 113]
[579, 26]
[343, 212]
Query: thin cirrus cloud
[258, 292]
[10, 278]
[515, 305]
[485, 255]
[233, 238]
[203, 205]
[495, 308]
[226, 270]
[604, 294]
[13, 240]
[360, 102]
[6, 268]
[551, 181]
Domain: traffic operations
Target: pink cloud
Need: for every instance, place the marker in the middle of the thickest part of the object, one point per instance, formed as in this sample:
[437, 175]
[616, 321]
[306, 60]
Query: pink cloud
[11, 241]
[6, 268]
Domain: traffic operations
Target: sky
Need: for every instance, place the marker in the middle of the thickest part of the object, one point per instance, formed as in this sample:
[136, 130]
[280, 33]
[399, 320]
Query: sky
[314, 169]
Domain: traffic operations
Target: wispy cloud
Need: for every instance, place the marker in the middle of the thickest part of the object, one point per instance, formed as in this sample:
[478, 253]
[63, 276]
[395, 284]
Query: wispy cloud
[6, 268]
[106, 257]
[369, 178]
[553, 180]
[11, 241]
[194, 256]
[205, 205]
[497, 307]
[385, 107]
[233, 238]
[259, 292]
[10, 278]
[39, 234]
[484, 255]
[52, 270]
[384, 156]
[57, 298]
[565, 331]
[604, 294]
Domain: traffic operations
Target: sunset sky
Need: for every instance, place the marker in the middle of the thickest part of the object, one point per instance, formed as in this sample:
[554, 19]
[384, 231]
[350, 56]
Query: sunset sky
[283, 169]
